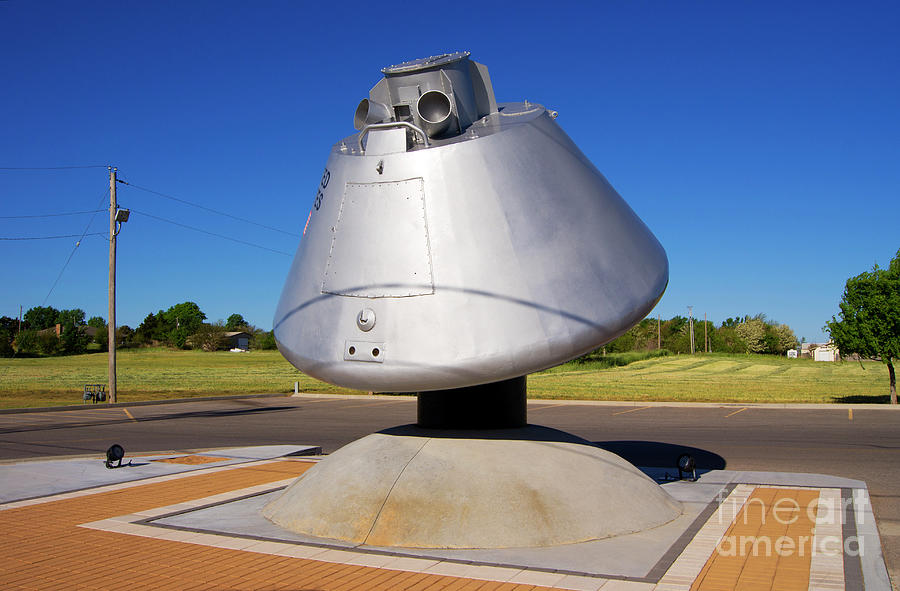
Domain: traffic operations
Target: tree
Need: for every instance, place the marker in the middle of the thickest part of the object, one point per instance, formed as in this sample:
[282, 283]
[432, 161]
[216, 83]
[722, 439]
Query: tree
[731, 322]
[185, 314]
[74, 316]
[40, 317]
[101, 337]
[47, 342]
[124, 337]
[626, 342]
[672, 334]
[726, 339]
[264, 340]
[172, 326]
[753, 332]
[73, 340]
[10, 325]
[869, 322]
[26, 342]
[185, 319]
[209, 337]
[101, 334]
[151, 329]
[8, 330]
[236, 322]
[6, 349]
[786, 338]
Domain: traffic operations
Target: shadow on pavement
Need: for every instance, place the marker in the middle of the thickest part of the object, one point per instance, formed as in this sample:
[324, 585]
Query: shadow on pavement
[662, 455]
[858, 399]
[654, 454]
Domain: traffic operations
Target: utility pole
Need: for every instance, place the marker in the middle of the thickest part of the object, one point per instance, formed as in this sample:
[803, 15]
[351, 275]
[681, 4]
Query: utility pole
[691, 326]
[20, 319]
[658, 333]
[705, 332]
[111, 326]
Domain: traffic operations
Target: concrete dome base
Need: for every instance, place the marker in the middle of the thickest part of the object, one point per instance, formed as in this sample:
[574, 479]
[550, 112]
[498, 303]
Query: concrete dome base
[419, 488]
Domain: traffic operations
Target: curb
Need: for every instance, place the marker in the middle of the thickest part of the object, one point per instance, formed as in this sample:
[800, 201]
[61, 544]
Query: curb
[635, 403]
[101, 405]
[531, 401]
[314, 453]
[676, 404]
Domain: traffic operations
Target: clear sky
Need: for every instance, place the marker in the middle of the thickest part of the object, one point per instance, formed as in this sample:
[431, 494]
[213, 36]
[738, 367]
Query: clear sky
[760, 141]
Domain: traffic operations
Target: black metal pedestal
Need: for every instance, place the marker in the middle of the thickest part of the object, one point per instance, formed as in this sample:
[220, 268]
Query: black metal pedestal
[498, 405]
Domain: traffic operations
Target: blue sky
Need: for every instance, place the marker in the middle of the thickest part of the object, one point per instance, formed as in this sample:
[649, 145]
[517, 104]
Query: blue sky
[760, 141]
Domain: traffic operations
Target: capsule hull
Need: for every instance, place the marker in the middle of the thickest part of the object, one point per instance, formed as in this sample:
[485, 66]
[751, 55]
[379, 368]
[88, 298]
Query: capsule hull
[489, 257]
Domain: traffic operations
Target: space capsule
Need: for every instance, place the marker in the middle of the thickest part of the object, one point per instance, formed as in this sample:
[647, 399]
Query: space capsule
[456, 241]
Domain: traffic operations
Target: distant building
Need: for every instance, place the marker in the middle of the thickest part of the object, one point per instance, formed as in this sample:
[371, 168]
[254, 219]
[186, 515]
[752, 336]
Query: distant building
[57, 331]
[238, 340]
[825, 352]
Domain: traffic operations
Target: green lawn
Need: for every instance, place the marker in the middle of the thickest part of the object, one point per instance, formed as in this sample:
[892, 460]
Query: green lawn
[717, 378]
[149, 374]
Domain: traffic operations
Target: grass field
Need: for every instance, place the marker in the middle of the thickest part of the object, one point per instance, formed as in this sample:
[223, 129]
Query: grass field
[150, 374]
[716, 377]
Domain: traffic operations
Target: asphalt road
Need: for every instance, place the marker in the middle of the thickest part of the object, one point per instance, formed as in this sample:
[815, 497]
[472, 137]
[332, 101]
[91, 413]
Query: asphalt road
[863, 444]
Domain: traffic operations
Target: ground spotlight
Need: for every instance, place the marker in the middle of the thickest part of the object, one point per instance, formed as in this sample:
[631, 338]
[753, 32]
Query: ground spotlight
[115, 453]
[687, 465]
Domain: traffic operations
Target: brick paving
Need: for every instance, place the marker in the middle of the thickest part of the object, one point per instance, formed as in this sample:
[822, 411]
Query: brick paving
[43, 547]
[746, 559]
[191, 460]
[53, 544]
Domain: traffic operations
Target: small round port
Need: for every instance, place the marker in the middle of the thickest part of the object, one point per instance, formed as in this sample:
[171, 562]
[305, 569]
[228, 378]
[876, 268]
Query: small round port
[365, 320]
[375, 352]
[352, 350]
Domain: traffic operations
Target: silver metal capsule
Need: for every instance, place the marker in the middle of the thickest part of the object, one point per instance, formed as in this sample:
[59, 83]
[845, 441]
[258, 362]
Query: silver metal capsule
[455, 242]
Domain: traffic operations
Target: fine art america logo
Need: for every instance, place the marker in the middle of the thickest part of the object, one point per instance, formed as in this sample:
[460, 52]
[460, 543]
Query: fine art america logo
[786, 527]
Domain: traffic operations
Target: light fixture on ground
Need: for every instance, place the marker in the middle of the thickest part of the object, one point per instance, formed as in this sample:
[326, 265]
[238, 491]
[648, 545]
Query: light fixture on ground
[114, 454]
[454, 246]
[687, 465]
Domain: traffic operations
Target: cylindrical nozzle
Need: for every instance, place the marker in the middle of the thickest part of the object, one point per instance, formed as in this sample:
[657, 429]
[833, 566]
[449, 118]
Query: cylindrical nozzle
[436, 112]
[369, 112]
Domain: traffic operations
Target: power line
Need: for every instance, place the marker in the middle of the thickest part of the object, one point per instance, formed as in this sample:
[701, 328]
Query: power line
[150, 215]
[79, 236]
[77, 243]
[51, 167]
[71, 254]
[49, 215]
[209, 209]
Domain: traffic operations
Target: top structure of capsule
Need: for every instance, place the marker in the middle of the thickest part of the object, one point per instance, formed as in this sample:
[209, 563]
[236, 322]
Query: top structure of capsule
[440, 95]
[424, 63]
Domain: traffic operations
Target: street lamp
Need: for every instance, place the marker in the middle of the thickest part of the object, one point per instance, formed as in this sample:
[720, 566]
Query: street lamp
[122, 217]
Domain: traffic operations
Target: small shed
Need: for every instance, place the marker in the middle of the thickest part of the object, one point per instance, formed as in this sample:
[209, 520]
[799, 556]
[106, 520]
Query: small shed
[238, 340]
[826, 352]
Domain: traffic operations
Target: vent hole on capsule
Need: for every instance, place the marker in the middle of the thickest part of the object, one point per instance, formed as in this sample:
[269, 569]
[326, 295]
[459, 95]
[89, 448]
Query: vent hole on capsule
[402, 112]
[375, 352]
[352, 350]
